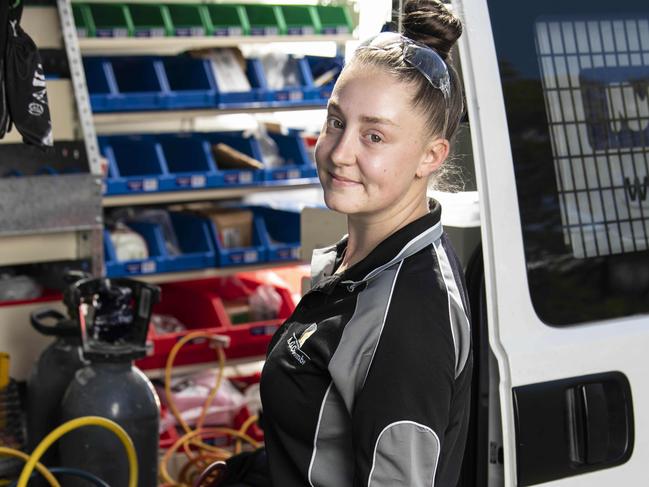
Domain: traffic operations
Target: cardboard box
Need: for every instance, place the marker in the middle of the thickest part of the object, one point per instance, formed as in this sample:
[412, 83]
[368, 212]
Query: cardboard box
[234, 227]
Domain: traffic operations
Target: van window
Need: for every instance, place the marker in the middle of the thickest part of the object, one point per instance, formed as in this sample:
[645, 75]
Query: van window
[575, 77]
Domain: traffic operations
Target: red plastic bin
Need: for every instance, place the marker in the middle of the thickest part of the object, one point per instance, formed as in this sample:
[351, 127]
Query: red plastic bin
[199, 305]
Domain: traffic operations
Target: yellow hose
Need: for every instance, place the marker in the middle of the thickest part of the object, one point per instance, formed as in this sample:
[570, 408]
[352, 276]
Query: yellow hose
[78, 423]
[192, 438]
[169, 367]
[244, 429]
[10, 452]
[164, 473]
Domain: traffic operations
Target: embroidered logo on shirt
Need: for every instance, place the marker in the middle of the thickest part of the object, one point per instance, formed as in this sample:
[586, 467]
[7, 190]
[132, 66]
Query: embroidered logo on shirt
[295, 344]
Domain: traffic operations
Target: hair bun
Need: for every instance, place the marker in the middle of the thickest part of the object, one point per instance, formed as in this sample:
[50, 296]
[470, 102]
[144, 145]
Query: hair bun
[431, 23]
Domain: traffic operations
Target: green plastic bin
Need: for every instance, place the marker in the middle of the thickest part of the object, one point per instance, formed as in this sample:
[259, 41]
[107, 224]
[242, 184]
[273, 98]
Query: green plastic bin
[335, 19]
[301, 19]
[108, 20]
[265, 20]
[80, 14]
[150, 20]
[227, 20]
[189, 20]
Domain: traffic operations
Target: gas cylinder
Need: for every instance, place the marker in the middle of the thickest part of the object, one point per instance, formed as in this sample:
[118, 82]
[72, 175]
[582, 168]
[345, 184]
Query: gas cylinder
[51, 375]
[114, 318]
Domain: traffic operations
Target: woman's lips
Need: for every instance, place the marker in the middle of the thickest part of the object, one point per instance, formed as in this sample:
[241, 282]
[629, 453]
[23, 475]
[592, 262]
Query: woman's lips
[342, 181]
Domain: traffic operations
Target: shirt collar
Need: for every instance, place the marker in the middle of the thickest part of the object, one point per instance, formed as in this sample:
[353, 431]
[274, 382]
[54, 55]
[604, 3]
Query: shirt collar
[401, 244]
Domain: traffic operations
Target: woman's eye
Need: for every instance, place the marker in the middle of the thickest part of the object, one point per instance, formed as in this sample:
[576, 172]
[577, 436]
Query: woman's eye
[375, 138]
[334, 123]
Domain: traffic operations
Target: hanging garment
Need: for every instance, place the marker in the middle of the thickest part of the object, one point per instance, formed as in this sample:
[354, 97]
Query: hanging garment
[5, 120]
[25, 84]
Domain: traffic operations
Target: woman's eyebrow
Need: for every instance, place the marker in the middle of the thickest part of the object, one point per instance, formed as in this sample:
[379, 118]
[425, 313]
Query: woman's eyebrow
[378, 120]
[334, 107]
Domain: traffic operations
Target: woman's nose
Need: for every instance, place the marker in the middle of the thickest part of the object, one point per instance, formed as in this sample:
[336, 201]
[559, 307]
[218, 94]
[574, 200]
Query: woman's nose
[344, 150]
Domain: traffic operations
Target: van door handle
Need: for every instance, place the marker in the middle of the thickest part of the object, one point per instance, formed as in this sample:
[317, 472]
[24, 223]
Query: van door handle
[572, 426]
[597, 422]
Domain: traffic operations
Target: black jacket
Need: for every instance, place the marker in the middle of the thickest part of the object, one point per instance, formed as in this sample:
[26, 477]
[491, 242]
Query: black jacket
[368, 382]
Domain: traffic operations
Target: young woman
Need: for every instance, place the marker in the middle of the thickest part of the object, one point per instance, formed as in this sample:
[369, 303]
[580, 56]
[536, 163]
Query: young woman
[368, 382]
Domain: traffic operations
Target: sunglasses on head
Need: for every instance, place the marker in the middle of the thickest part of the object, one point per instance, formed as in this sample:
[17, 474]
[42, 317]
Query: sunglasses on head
[421, 57]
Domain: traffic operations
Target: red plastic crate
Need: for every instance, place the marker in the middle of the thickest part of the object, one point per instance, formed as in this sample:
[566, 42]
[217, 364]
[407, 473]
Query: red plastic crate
[199, 305]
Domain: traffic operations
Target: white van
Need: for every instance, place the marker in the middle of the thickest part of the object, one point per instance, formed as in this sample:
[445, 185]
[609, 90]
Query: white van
[558, 107]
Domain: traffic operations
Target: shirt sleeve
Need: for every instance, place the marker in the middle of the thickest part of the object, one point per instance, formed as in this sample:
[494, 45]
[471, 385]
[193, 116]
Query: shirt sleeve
[402, 411]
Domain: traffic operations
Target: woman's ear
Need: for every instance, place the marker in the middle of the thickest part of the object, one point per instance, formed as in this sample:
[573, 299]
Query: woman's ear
[435, 154]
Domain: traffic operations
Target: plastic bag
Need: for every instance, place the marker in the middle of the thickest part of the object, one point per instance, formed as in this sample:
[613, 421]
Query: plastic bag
[15, 288]
[129, 245]
[281, 71]
[265, 303]
[190, 392]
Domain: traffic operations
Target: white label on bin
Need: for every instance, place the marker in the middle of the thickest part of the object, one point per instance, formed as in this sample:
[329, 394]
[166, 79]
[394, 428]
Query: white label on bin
[231, 237]
[148, 267]
[272, 31]
[150, 185]
[293, 174]
[197, 31]
[120, 32]
[245, 177]
[308, 31]
[250, 256]
[198, 181]
[235, 31]
[296, 96]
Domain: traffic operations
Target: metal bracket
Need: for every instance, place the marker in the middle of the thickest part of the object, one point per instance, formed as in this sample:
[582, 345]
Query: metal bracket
[78, 78]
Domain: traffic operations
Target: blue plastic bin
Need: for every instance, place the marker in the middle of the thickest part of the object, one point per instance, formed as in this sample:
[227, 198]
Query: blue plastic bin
[189, 82]
[100, 82]
[319, 65]
[155, 244]
[241, 255]
[139, 82]
[245, 99]
[194, 238]
[281, 232]
[189, 162]
[135, 164]
[299, 95]
[297, 162]
[247, 145]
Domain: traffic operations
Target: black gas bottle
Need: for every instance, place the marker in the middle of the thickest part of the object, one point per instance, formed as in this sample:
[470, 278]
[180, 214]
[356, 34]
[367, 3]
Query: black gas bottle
[51, 374]
[114, 318]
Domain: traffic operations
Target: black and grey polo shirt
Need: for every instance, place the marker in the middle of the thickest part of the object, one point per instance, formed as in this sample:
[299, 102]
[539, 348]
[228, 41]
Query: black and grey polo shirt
[368, 382]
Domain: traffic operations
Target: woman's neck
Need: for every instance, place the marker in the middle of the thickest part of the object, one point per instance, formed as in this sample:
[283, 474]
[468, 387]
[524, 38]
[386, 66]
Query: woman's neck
[367, 231]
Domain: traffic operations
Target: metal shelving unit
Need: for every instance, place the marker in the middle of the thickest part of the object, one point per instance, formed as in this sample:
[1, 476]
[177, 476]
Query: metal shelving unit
[131, 121]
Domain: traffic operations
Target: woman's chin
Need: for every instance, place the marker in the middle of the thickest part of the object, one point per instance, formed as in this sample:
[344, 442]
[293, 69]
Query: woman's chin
[340, 204]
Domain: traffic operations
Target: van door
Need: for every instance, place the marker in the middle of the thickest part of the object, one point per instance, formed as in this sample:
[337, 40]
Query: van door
[558, 101]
